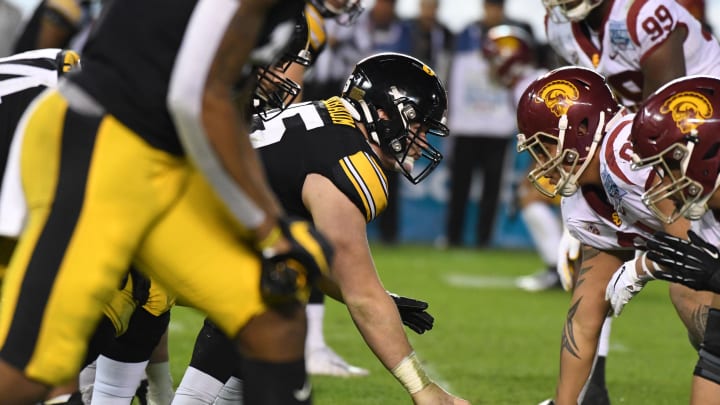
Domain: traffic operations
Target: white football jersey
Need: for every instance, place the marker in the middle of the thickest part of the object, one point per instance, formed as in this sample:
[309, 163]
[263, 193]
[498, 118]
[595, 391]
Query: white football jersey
[631, 31]
[624, 186]
[592, 220]
[708, 227]
[613, 217]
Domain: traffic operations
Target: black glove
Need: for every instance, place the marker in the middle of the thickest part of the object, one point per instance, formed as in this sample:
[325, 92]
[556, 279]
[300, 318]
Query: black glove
[694, 263]
[287, 276]
[413, 314]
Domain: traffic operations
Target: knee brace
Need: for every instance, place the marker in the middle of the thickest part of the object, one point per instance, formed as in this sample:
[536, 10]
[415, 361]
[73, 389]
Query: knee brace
[708, 365]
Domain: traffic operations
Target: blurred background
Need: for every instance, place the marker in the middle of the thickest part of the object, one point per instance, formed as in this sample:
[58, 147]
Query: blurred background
[424, 213]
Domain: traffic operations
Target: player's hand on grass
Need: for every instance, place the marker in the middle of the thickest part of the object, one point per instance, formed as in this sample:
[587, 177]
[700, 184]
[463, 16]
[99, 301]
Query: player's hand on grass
[694, 263]
[413, 313]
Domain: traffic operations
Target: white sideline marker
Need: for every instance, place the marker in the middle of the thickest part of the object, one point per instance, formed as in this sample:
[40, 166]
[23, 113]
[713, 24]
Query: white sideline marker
[476, 281]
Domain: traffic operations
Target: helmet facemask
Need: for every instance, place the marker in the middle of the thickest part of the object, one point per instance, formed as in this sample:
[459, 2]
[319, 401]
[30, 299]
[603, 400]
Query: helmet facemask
[572, 10]
[404, 136]
[275, 91]
[688, 196]
[563, 161]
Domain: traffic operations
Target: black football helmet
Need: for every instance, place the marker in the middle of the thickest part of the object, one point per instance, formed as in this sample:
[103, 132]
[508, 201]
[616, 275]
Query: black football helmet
[67, 60]
[415, 102]
[275, 91]
[345, 12]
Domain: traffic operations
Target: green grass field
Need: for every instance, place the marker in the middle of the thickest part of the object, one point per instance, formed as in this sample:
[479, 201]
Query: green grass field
[492, 344]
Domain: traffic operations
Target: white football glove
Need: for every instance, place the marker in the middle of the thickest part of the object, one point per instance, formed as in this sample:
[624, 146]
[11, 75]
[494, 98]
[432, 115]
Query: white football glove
[568, 259]
[625, 284]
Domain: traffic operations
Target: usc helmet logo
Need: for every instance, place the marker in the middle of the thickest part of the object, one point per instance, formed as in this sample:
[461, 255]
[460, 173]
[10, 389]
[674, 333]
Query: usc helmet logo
[558, 96]
[689, 110]
[508, 45]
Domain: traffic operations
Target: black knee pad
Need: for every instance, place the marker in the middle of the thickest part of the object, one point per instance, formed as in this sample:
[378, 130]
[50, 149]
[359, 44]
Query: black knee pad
[275, 383]
[102, 338]
[708, 365]
[214, 353]
[138, 342]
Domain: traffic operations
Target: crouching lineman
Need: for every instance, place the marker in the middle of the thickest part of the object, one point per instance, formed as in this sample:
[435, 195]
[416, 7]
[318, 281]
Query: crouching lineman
[677, 135]
[573, 127]
[326, 160]
[145, 120]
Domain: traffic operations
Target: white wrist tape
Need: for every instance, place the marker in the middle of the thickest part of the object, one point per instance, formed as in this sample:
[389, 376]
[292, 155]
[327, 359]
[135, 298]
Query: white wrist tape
[410, 373]
[645, 269]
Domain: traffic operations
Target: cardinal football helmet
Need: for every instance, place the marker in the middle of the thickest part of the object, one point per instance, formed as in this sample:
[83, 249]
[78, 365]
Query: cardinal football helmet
[677, 131]
[415, 102]
[561, 118]
[573, 10]
[509, 50]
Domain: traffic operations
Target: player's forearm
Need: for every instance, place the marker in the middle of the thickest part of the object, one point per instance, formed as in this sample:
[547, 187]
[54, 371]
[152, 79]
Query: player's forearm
[378, 321]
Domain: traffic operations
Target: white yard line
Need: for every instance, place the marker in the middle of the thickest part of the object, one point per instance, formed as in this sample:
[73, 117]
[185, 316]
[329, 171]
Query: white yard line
[476, 281]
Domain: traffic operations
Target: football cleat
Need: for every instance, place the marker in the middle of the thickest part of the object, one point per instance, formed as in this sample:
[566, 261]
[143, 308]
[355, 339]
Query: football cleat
[324, 361]
[540, 281]
[596, 395]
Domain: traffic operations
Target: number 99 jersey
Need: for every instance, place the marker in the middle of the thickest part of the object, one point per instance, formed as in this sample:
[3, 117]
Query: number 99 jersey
[320, 137]
[631, 32]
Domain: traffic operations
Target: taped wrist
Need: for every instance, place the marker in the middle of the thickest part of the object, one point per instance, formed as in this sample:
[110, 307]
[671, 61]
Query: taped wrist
[411, 374]
[708, 365]
[645, 269]
[269, 240]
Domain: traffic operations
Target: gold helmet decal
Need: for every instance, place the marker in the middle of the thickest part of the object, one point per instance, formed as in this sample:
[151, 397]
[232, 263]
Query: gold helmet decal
[68, 60]
[508, 45]
[427, 70]
[689, 110]
[558, 96]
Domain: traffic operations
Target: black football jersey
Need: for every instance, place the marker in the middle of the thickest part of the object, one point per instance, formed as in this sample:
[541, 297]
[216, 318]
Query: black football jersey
[320, 137]
[138, 47]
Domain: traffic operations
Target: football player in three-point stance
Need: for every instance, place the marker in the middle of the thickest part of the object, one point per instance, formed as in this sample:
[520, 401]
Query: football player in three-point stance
[327, 160]
[636, 45]
[145, 120]
[675, 135]
[578, 135]
[36, 71]
[510, 53]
